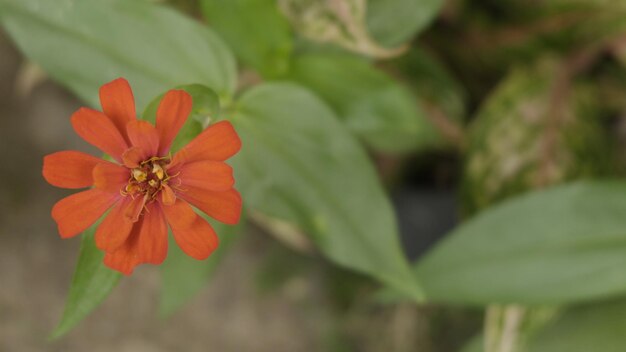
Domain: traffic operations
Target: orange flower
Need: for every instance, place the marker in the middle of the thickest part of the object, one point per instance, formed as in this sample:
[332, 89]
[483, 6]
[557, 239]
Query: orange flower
[146, 190]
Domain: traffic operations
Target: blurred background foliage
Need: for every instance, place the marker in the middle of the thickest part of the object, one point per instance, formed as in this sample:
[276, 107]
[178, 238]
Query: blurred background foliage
[445, 173]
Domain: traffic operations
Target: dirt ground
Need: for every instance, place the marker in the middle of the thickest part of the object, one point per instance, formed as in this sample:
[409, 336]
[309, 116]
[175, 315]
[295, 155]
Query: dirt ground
[36, 266]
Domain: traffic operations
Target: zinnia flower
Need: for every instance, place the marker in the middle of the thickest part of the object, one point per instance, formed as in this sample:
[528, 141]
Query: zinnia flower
[147, 189]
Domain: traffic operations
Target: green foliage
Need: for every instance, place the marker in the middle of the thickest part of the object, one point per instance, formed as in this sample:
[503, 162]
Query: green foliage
[528, 135]
[592, 327]
[91, 284]
[371, 104]
[256, 31]
[393, 22]
[560, 75]
[84, 44]
[432, 83]
[562, 245]
[307, 169]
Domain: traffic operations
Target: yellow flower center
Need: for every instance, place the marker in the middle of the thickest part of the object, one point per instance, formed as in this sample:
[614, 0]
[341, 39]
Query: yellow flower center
[148, 179]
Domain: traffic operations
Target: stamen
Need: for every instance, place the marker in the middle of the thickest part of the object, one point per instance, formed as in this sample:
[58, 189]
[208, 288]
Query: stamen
[152, 183]
[139, 175]
[158, 170]
[171, 176]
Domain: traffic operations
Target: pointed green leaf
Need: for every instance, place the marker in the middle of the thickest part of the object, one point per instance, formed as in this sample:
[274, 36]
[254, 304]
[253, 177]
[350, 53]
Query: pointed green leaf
[299, 164]
[91, 284]
[562, 245]
[393, 22]
[432, 83]
[256, 31]
[373, 106]
[84, 44]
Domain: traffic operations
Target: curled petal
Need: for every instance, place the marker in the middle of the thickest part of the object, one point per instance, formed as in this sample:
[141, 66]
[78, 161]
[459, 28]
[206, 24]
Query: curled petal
[222, 206]
[207, 174]
[74, 214]
[217, 142]
[118, 103]
[134, 208]
[110, 177]
[98, 130]
[143, 135]
[115, 228]
[171, 116]
[69, 169]
[194, 235]
[132, 157]
[168, 197]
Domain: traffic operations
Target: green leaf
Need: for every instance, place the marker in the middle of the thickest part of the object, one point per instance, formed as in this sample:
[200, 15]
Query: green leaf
[594, 327]
[432, 83]
[392, 22]
[372, 105]
[561, 245]
[256, 31]
[184, 276]
[84, 44]
[91, 284]
[206, 108]
[299, 164]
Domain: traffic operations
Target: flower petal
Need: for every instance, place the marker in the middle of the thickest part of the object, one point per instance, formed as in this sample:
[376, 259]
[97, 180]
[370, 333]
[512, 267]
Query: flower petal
[217, 142]
[180, 214]
[198, 241]
[74, 214]
[110, 177]
[98, 130]
[126, 257]
[132, 157]
[168, 197]
[222, 206]
[153, 236]
[69, 169]
[115, 228]
[207, 174]
[143, 135]
[196, 238]
[134, 207]
[118, 103]
[172, 113]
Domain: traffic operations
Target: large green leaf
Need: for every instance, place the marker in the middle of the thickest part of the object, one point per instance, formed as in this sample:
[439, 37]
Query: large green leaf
[561, 245]
[91, 284]
[256, 31]
[595, 327]
[184, 276]
[393, 22]
[299, 164]
[87, 43]
[379, 110]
